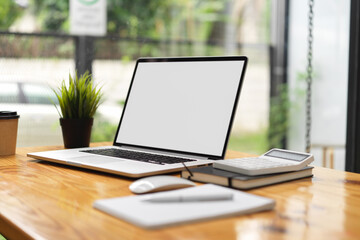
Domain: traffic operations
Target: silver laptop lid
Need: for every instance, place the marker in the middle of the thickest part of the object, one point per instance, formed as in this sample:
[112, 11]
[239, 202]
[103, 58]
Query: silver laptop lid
[182, 105]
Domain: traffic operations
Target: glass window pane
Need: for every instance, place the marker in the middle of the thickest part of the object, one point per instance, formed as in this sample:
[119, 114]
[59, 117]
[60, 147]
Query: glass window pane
[9, 93]
[149, 29]
[330, 79]
[38, 94]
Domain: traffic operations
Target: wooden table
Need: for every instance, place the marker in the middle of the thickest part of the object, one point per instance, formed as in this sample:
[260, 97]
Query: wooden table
[49, 201]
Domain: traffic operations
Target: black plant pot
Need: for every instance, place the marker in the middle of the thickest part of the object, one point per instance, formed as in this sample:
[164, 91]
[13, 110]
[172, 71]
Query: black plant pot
[76, 132]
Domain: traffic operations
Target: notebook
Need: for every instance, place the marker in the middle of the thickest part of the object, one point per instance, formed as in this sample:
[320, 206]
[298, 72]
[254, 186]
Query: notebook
[208, 174]
[144, 214]
[177, 110]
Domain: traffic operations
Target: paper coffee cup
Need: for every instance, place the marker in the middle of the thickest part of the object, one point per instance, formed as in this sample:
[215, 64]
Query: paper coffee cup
[8, 132]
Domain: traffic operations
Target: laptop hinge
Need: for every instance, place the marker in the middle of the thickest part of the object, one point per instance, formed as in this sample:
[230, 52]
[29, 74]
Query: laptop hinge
[164, 152]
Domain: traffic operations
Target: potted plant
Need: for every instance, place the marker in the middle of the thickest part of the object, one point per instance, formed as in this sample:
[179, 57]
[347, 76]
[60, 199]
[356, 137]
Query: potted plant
[78, 101]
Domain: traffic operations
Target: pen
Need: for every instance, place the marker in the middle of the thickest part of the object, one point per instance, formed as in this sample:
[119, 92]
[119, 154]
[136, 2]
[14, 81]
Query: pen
[190, 198]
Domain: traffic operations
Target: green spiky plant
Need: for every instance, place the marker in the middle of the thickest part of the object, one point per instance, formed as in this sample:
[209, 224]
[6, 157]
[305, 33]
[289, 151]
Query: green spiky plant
[80, 98]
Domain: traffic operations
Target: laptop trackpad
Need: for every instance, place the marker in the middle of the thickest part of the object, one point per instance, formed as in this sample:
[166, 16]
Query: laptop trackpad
[93, 160]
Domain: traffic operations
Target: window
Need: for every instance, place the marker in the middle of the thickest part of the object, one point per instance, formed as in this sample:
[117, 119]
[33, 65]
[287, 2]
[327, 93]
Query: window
[38, 94]
[9, 93]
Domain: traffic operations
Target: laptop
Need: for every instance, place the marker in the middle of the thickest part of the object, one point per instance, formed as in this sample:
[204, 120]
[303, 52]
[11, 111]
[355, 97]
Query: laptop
[177, 111]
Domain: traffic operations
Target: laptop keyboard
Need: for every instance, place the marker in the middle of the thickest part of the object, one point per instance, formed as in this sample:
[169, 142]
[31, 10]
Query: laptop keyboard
[138, 156]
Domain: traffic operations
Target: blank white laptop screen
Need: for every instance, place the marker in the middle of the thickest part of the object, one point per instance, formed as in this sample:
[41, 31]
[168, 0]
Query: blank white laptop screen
[182, 106]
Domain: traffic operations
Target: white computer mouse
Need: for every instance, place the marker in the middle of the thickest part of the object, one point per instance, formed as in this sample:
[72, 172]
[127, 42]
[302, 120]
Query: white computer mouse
[159, 183]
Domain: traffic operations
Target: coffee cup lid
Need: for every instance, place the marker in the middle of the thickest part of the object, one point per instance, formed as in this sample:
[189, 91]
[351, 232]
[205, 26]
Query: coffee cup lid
[8, 115]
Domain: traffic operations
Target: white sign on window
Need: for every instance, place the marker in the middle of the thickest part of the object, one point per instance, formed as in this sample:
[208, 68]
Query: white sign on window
[88, 17]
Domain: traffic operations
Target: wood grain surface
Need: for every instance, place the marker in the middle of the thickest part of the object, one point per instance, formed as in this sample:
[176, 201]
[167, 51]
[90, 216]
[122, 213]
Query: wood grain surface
[43, 200]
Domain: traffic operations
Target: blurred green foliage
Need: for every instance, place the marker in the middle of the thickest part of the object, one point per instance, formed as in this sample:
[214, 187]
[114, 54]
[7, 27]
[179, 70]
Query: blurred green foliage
[9, 12]
[53, 15]
[282, 105]
[103, 130]
[279, 117]
[255, 143]
[180, 19]
[135, 18]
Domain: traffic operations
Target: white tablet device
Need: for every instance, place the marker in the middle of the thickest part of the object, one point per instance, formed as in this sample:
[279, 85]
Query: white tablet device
[273, 161]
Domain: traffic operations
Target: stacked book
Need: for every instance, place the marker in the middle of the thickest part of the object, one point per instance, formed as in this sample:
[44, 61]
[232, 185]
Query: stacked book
[208, 174]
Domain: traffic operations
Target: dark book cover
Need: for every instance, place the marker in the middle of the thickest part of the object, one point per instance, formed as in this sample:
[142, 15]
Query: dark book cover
[209, 174]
